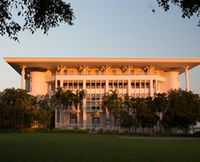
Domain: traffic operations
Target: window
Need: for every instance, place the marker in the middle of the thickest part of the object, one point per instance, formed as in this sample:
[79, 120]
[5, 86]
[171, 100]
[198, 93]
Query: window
[97, 72]
[98, 84]
[71, 72]
[132, 72]
[97, 96]
[75, 84]
[133, 84]
[137, 84]
[80, 84]
[147, 84]
[120, 84]
[52, 86]
[117, 121]
[143, 84]
[65, 84]
[58, 83]
[88, 84]
[65, 72]
[110, 84]
[103, 84]
[95, 121]
[125, 84]
[93, 97]
[73, 118]
[53, 73]
[114, 72]
[70, 84]
[115, 84]
[93, 84]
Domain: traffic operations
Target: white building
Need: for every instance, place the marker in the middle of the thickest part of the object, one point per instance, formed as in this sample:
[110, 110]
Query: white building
[137, 77]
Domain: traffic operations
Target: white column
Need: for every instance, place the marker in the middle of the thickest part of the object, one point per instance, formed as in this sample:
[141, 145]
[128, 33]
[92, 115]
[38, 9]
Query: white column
[187, 78]
[151, 88]
[61, 83]
[107, 113]
[156, 86]
[23, 77]
[140, 88]
[84, 108]
[56, 85]
[107, 86]
[129, 87]
[145, 92]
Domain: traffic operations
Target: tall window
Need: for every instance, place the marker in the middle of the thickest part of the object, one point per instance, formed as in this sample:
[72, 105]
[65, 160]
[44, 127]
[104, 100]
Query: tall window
[95, 121]
[117, 121]
[73, 118]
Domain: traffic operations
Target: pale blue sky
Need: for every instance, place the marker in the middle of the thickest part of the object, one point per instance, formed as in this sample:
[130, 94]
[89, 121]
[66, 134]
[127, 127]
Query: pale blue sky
[110, 28]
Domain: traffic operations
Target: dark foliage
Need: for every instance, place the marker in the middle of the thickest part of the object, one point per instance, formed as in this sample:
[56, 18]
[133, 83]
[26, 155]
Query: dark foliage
[34, 14]
[189, 7]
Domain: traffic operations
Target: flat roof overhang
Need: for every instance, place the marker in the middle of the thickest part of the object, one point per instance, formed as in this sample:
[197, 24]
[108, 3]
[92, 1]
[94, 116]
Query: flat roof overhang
[50, 63]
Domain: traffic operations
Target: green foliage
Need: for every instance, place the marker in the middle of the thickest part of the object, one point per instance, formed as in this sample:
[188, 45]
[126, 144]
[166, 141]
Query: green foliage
[112, 102]
[17, 109]
[145, 115]
[183, 110]
[18, 15]
[128, 121]
[189, 7]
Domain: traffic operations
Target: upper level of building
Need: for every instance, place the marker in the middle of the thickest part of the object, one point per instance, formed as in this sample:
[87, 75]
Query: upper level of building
[101, 66]
[40, 72]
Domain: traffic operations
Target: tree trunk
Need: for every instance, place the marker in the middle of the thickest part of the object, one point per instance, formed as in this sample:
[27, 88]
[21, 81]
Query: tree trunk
[52, 121]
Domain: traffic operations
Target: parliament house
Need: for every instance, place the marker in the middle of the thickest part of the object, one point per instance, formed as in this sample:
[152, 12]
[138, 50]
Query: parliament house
[137, 77]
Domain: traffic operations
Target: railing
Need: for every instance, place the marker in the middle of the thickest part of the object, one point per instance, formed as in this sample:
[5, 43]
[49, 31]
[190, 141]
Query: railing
[105, 74]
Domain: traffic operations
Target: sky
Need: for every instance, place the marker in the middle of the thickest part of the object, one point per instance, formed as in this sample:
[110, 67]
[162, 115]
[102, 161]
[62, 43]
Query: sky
[110, 28]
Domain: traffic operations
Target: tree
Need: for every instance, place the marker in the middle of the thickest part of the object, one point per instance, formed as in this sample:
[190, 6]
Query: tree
[112, 105]
[36, 14]
[46, 111]
[159, 105]
[17, 109]
[128, 121]
[189, 7]
[145, 115]
[49, 104]
[183, 111]
[112, 102]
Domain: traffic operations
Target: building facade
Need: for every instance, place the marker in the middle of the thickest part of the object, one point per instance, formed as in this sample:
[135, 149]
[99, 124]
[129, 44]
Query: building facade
[137, 77]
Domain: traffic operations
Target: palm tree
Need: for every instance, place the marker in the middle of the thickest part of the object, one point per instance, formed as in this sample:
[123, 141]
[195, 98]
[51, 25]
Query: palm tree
[112, 104]
[78, 101]
[160, 105]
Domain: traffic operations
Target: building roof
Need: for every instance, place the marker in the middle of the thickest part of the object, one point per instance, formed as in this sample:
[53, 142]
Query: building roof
[44, 63]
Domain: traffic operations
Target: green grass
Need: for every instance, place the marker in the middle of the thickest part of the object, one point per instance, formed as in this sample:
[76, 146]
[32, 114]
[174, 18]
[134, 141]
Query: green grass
[25, 147]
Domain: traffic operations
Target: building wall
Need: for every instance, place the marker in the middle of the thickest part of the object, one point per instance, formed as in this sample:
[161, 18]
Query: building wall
[38, 84]
[171, 82]
[135, 83]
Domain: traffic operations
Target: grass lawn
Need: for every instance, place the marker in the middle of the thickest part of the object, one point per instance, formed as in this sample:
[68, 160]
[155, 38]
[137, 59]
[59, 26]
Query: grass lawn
[25, 147]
